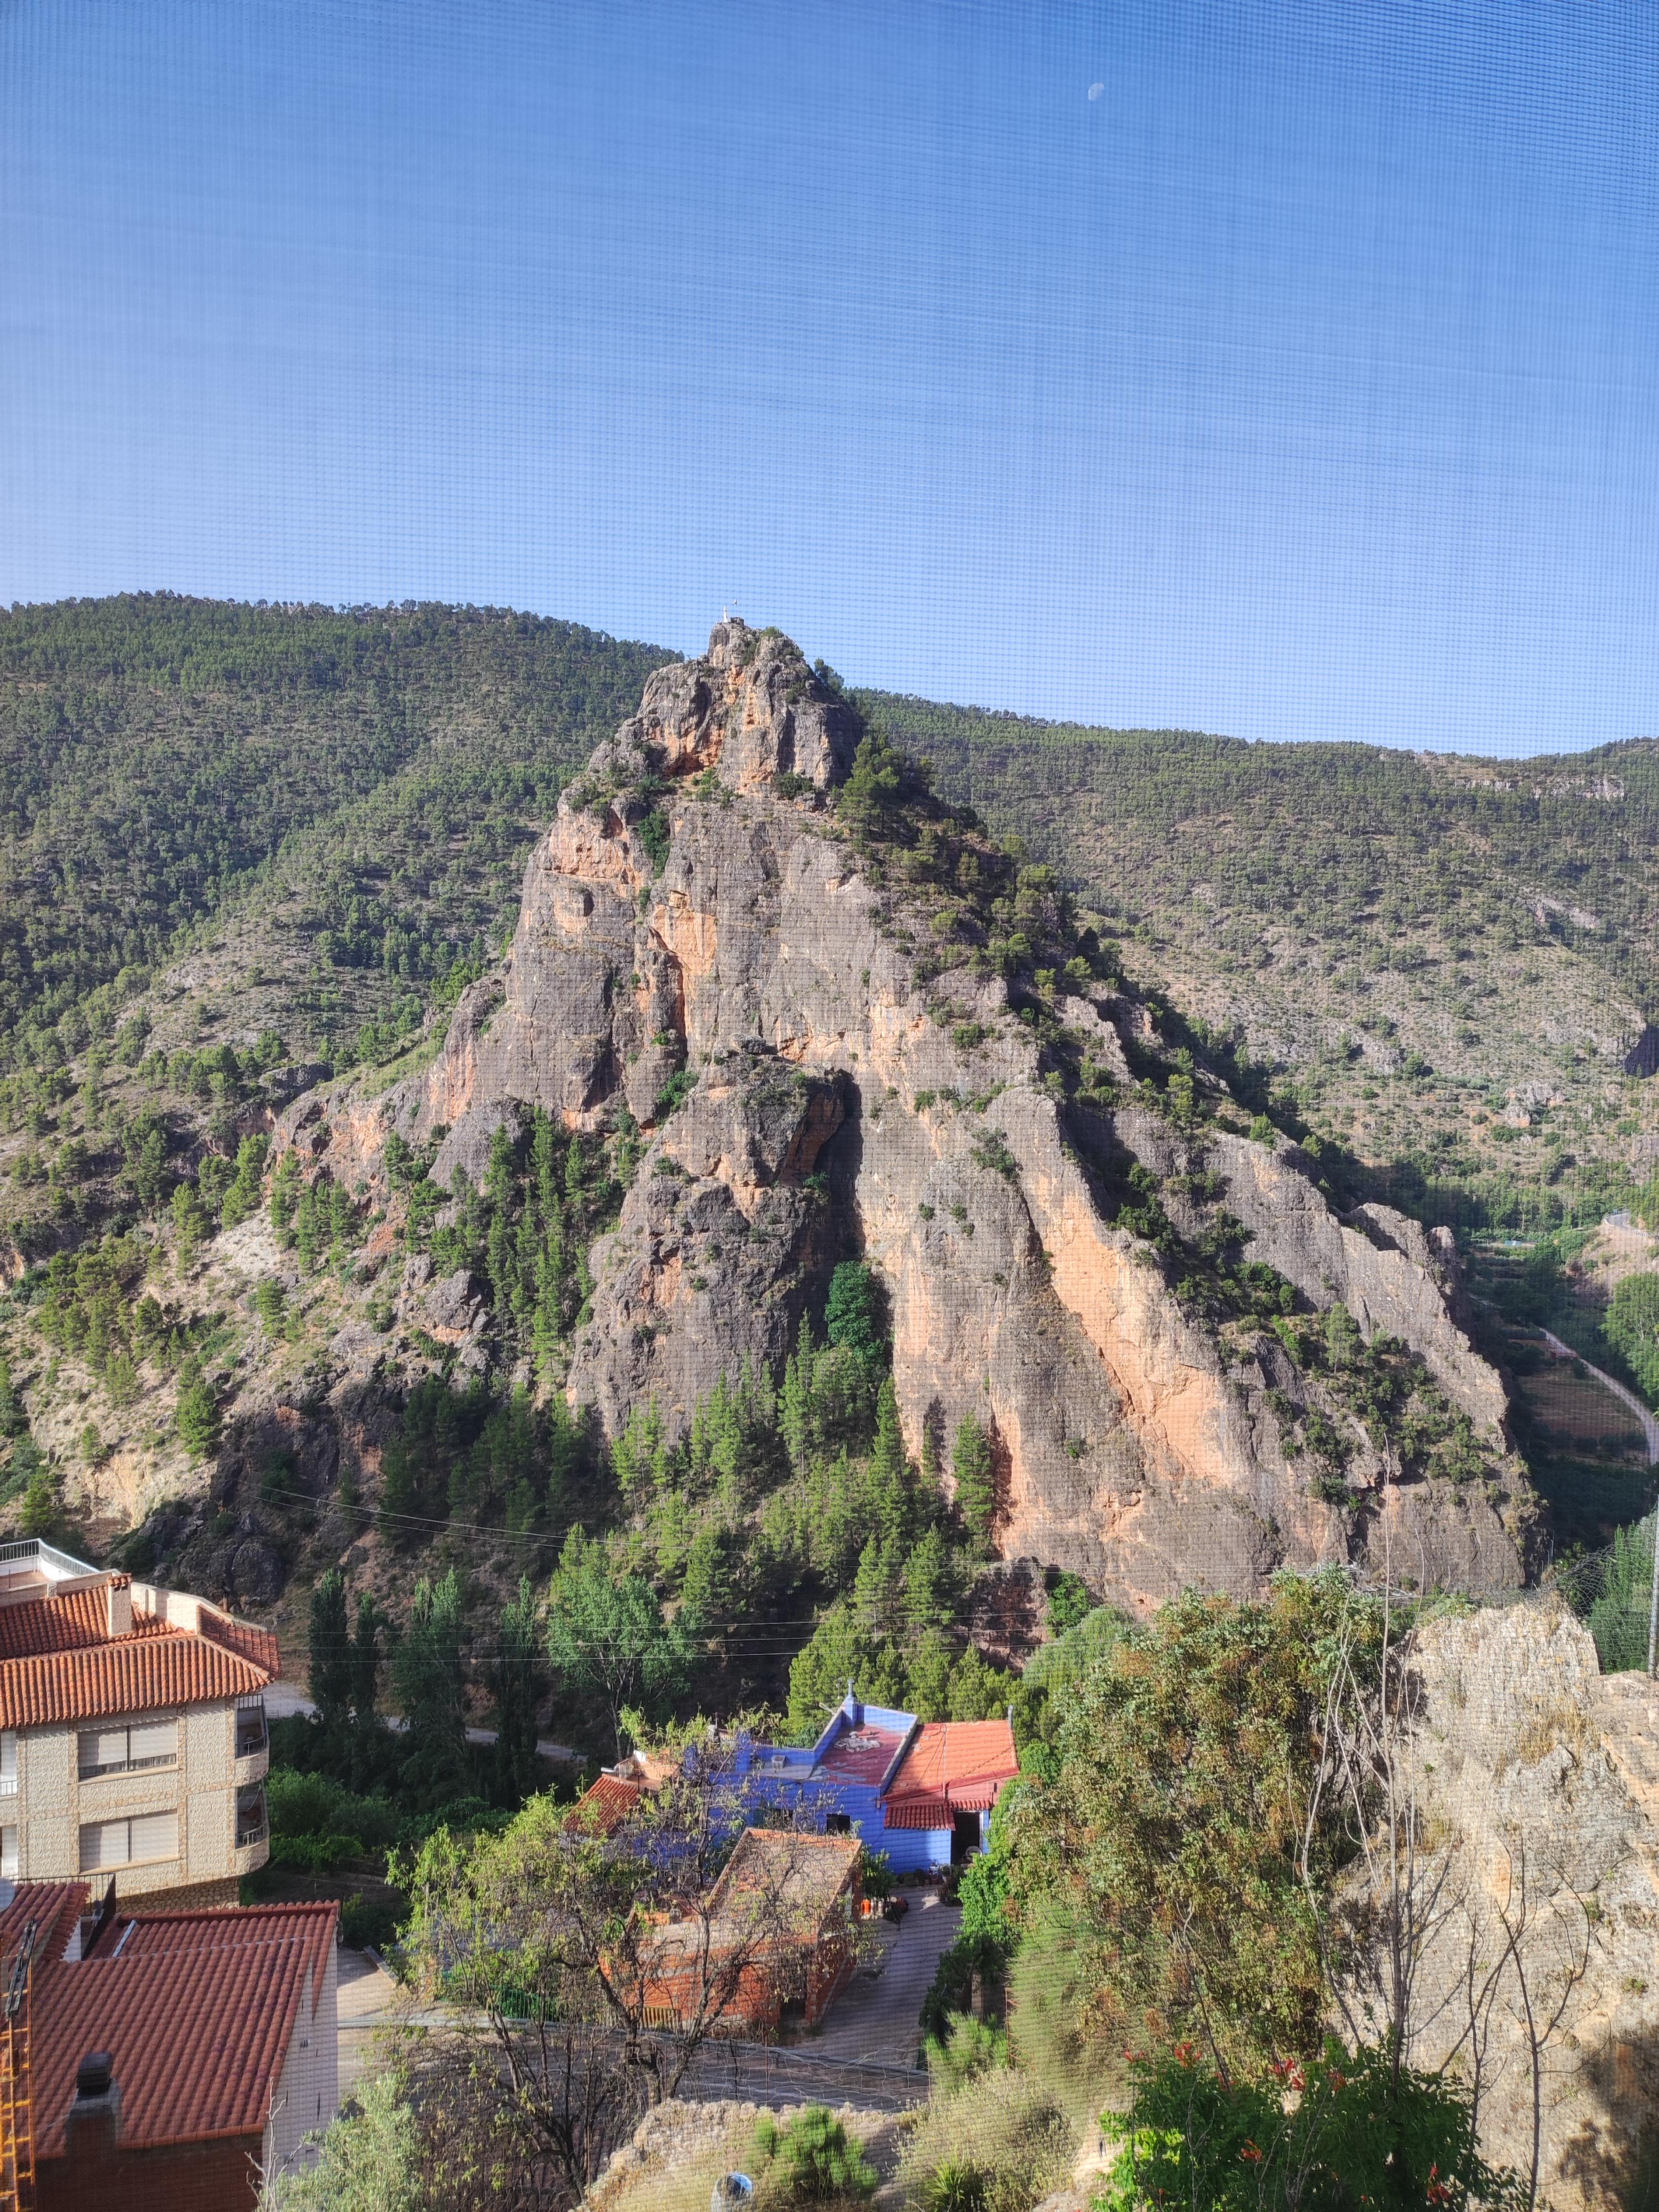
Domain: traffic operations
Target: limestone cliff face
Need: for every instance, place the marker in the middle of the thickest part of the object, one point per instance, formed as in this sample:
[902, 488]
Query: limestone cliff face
[1540, 1784]
[700, 944]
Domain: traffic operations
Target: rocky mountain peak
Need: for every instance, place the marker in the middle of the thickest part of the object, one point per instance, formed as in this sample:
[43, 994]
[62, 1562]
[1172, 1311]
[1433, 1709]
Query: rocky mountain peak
[751, 710]
[834, 1024]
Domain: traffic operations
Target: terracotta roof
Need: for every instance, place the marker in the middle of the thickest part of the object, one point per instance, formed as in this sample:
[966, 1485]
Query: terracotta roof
[604, 1805]
[53, 1906]
[69, 1622]
[196, 2009]
[247, 1642]
[58, 1662]
[861, 1754]
[781, 1882]
[799, 1873]
[951, 1767]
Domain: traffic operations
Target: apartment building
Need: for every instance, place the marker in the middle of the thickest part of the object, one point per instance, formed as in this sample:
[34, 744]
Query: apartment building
[132, 1733]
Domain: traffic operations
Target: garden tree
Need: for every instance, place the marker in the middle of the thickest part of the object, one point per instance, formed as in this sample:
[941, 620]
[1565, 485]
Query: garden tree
[515, 1672]
[1357, 2132]
[972, 1465]
[370, 2158]
[1049, 1683]
[561, 1945]
[1179, 1837]
[427, 1671]
[606, 1636]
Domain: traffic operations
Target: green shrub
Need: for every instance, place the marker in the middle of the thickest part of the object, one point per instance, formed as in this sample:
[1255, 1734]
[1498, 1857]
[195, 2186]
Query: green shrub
[811, 2161]
[958, 2185]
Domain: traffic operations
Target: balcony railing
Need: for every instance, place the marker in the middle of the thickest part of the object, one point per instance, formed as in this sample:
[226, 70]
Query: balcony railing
[251, 1734]
[253, 1831]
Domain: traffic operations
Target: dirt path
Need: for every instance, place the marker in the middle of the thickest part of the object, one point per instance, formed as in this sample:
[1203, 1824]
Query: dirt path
[1649, 1425]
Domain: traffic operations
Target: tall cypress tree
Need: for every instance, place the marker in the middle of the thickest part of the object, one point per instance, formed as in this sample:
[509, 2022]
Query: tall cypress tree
[429, 1679]
[517, 1674]
[330, 1659]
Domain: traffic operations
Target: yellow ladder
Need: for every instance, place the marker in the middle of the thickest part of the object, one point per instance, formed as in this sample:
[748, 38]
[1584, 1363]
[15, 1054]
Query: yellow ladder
[16, 2083]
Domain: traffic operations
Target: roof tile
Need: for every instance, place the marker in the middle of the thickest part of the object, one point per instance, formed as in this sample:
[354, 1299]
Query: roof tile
[196, 2008]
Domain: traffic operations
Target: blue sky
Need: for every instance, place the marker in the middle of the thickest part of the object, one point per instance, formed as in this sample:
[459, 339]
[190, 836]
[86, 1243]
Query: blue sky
[1299, 382]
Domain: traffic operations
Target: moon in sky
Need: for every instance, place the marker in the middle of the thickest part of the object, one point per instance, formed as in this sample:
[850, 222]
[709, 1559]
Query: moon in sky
[1094, 91]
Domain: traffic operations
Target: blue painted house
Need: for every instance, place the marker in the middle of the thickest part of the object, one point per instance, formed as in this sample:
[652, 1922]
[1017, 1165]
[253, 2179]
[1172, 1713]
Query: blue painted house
[921, 1792]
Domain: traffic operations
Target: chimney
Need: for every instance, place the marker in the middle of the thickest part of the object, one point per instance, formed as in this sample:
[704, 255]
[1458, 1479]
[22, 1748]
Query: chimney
[93, 2126]
[118, 1595]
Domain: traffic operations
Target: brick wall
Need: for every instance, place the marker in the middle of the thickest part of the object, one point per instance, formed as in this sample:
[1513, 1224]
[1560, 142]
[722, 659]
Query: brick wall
[209, 2176]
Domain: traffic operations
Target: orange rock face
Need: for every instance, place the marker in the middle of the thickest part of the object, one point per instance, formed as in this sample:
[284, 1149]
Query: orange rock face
[694, 923]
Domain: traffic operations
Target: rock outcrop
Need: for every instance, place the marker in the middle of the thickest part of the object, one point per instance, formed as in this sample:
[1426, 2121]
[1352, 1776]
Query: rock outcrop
[1539, 1781]
[702, 947]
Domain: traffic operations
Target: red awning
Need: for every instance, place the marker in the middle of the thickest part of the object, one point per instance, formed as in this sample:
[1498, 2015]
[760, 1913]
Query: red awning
[917, 1812]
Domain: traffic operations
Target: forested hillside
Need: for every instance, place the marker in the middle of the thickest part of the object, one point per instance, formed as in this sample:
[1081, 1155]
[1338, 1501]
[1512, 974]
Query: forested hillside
[368, 778]
[1448, 963]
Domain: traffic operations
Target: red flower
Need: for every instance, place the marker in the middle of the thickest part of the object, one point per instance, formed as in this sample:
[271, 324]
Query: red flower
[1249, 2151]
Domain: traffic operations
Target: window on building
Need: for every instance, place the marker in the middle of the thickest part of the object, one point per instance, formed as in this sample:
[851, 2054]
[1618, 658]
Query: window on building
[124, 1750]
[251, 1727]
[140, 1841]
[8, 1763]
[8, 1855]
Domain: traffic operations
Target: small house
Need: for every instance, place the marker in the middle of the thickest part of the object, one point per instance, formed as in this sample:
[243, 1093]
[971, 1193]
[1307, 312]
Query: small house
[921, 1792]
[784, 1912]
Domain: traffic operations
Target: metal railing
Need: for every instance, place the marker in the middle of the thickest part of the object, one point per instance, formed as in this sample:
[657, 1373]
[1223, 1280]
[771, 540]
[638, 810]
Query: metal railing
[256, 1832]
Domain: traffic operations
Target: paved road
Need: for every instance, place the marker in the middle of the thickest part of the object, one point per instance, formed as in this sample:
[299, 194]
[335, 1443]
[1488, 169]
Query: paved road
[874, 2019]
[283, 1701]
[1649, 1426]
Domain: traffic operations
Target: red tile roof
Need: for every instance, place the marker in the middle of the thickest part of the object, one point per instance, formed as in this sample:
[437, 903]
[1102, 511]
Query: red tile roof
[604, 1805]
[58, 1662]
[247, 1642]
[196, 2009]
[861, 1754]
[66, 1621]
[951, 1767]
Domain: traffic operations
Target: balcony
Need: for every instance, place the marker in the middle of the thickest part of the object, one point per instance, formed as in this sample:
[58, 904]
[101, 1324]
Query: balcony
[252, 1744]
[252, 1822]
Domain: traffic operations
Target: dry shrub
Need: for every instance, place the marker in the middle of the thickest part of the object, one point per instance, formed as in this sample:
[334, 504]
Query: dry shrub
[1000, 2143]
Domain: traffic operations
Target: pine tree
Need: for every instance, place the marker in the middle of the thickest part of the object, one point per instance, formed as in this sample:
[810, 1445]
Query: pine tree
[972, 1464]
[795, 1404]
[189, 1226]
[889, 1473]
[365, 1692]
[926, 1582]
